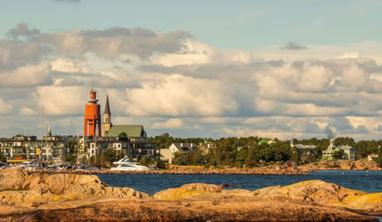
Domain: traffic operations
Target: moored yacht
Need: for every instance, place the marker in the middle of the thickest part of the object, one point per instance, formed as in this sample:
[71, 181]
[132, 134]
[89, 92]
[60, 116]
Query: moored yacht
[30, 165]
[125, 165]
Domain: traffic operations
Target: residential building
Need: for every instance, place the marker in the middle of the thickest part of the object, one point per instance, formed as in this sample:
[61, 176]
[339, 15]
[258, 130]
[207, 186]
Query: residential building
[304, 150]
[372, 157]
[165, 155]
[182, 148]
[28, 147]
[134, 148]
[349, 151]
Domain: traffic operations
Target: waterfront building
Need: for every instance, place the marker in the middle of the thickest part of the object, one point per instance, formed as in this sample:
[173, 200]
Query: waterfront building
[134, 148]
[304, 150]
[372, 157]
[349, 151]
[185, 148]
[28, 147]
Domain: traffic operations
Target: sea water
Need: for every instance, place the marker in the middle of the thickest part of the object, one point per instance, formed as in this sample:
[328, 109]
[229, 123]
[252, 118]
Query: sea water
[368, 181]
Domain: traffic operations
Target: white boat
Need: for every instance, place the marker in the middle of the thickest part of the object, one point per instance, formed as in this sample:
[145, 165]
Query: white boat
[29, 165]
[125, 165]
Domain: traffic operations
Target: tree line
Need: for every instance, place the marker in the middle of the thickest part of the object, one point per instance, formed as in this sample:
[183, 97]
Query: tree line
[246, 151]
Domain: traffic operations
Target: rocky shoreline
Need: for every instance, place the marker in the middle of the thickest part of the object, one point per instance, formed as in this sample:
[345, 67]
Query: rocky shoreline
[340, 165]
[207, 172]
[26, 196]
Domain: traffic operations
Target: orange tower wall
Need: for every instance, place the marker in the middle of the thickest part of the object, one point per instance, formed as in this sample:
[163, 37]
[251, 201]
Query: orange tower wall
[92, 119]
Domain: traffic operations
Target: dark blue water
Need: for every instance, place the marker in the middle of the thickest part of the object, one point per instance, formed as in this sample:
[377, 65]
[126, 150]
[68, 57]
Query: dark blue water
[151, 183]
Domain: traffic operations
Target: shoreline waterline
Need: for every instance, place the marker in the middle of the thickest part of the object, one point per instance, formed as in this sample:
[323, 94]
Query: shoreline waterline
[206, 172]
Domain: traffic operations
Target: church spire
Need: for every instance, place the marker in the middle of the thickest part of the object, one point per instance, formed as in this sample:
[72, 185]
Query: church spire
[107, 107]
[49, 132]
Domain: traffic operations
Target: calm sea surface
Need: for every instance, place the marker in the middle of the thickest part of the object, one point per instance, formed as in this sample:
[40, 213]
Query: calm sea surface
[370, 181]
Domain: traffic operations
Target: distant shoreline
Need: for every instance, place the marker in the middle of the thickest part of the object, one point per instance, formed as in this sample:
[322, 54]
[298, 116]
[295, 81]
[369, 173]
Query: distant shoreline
[196, 172]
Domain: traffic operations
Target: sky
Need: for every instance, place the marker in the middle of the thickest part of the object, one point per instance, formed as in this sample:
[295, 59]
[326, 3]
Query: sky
[218, 68]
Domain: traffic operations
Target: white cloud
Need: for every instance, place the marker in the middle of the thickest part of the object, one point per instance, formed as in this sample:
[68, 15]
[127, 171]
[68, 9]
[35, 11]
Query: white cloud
[26, 76]
[27, 111]
[349, 55]
[67, 65]
[169, 124]
[5, 108]
[178, 95]
[314, 78]
[62, 100]
[172, 81]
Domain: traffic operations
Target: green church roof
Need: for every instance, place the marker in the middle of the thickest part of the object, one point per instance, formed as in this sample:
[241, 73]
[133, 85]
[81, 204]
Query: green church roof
[264, 141]
[130, 130]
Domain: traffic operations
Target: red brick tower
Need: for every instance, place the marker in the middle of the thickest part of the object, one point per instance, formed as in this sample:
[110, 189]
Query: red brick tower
[92, 116]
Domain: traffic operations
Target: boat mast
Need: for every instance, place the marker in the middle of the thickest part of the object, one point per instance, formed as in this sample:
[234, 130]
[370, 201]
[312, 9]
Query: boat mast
[42, 123]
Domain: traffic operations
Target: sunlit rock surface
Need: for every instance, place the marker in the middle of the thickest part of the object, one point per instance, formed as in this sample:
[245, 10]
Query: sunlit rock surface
[66, 197]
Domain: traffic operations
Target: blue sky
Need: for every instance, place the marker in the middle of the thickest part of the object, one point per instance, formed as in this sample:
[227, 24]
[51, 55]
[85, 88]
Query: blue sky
[224, 24]
[286, 69]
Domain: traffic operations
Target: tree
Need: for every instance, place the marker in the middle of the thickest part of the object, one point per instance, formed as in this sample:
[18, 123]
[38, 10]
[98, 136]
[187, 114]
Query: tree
[379, 159]
[295, 157]
[72, 147]
[160, 164]
[122, 136]
[71, 159]
[3, 158]
[178, 158]
[109, 156]
[145, 161]
[338, 154]
[194, 158]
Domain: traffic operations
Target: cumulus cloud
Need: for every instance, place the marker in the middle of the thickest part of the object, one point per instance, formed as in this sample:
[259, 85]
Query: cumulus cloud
[22, 30]
[5, 108]
[68, 65]
[178, 95]
[62, 100]
[172, 81]
[27, 111]
[293, 46]
[26, 76]
[169, 124]
[113, 42]
[349, 55]
[19, 53]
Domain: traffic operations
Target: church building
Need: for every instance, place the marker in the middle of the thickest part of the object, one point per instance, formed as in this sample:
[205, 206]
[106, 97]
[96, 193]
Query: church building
[110, 130]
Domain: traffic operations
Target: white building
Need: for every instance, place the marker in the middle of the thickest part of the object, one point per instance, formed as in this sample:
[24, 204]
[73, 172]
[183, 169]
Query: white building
[349, 151]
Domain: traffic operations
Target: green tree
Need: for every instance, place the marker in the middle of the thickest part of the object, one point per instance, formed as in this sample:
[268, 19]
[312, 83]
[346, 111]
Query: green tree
[144, 161]
[160, 164]
[3, 158]
[71, 159]
[194, 158]
[72, 147]
[99, 161]
[379, 159]
[109, 156]
[122, 136]
[338, 154]
[295, 157]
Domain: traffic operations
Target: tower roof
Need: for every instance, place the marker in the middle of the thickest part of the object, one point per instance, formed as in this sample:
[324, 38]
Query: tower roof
[107, 107]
